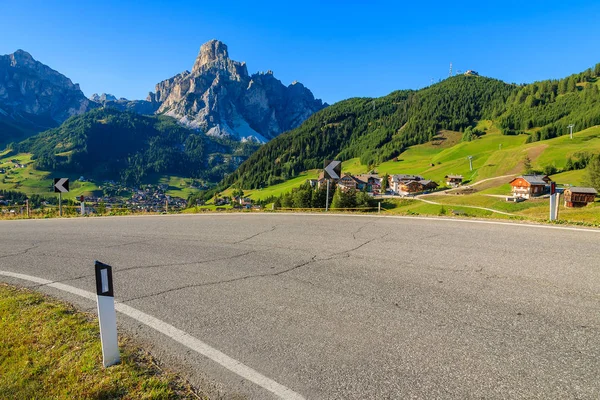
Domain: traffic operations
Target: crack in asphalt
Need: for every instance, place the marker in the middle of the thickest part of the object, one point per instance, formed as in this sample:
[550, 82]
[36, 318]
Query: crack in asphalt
[25, 251]
[255, 235]
[345, 253]
[358, 230]
[185, 263]
[241, 278]
[358, 247]
[128, 243]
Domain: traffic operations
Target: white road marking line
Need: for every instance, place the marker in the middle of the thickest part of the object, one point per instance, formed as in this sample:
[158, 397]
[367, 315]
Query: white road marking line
[179, 336]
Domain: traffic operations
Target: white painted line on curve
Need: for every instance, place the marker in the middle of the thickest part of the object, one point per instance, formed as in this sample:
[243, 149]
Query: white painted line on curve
[179, 336]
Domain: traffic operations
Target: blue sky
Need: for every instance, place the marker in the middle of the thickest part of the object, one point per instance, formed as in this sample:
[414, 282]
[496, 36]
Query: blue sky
[339, 49]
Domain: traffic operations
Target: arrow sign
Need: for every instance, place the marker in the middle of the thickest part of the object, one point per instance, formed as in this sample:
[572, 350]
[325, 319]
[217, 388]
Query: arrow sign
[61, 185]
[333, 169]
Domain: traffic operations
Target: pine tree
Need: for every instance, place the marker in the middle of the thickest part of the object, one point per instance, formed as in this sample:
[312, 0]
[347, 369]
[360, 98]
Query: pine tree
[571, 85]
[563, 86]
[527, 165]
[597, 69]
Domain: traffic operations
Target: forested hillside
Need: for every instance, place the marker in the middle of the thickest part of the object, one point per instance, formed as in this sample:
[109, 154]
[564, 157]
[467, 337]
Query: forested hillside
[377, 130]
[124, 146]
[545, 109]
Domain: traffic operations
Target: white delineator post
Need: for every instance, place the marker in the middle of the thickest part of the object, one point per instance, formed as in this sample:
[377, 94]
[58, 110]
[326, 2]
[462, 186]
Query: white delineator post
[552, 207]
[554, 199]
[107, 315]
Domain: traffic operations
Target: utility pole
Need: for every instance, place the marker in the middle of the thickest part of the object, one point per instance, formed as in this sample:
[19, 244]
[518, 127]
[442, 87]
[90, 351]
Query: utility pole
[327, 197]
[571, 126]
[470, 162]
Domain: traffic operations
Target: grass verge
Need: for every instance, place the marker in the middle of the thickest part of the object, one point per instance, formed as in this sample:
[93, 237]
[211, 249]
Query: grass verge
[49, 350]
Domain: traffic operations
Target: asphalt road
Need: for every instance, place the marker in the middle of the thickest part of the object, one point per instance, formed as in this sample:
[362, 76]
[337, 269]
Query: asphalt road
[343, 307]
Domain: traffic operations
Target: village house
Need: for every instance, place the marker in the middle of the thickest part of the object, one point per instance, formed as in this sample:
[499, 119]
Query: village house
[396, 180]
[528, 186]
[347, 182]
[370, 183]
[416, 186]
[579, 196]
[453, 180]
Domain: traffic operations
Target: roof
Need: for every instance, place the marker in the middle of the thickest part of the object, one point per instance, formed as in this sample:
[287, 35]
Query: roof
[404, 177]
[453, 176]
[364, 178]
[586, 190]
[532, 179]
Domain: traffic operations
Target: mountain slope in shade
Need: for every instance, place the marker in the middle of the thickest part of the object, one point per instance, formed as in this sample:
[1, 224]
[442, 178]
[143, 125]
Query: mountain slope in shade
[34, 97]
[219, 97]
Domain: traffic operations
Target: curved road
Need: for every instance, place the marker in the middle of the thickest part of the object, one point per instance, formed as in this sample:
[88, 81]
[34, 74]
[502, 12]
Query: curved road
[339, 307]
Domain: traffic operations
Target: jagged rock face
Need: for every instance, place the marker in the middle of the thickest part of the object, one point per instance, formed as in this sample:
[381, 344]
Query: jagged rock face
[103, 98]
[145, 107]
[220, 98]
[33, 93]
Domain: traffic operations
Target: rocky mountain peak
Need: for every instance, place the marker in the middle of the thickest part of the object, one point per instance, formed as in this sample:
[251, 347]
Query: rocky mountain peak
[220, 98]
[21, 57]
[211, 51]
[34, 95]
[104, 97]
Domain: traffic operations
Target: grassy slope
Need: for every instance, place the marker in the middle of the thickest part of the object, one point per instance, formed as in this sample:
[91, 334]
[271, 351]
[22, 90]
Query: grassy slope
[47, 350]
[31, 181]
[489, 160]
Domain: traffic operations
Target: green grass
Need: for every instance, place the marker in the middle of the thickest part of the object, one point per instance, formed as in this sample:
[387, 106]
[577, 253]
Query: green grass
[31, 181]
[574, 178]
[279, 189]
[48, 350]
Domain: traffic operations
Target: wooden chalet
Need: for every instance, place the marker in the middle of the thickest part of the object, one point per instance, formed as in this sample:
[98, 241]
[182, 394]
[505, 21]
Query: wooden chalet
[410, 187]
[370, 183]
[579, 196]
[428, 184]
[395, 181]
[347, 182]
[528, 186]
[453, 180]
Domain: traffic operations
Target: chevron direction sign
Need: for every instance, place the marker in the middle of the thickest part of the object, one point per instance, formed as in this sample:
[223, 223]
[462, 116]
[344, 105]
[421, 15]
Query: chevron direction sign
[333, 169]
[61, 185]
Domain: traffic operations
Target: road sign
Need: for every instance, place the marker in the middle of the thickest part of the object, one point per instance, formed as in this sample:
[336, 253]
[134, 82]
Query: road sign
[107, 316]
[61, 185]
[333, 169]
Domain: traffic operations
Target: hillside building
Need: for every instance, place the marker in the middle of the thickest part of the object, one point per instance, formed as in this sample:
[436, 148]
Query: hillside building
[579, 196]
[453, 180]
[528, 186]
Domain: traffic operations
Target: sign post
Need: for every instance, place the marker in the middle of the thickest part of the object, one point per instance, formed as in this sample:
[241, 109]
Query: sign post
[331, 170]
[107, 315]
[61, 185]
